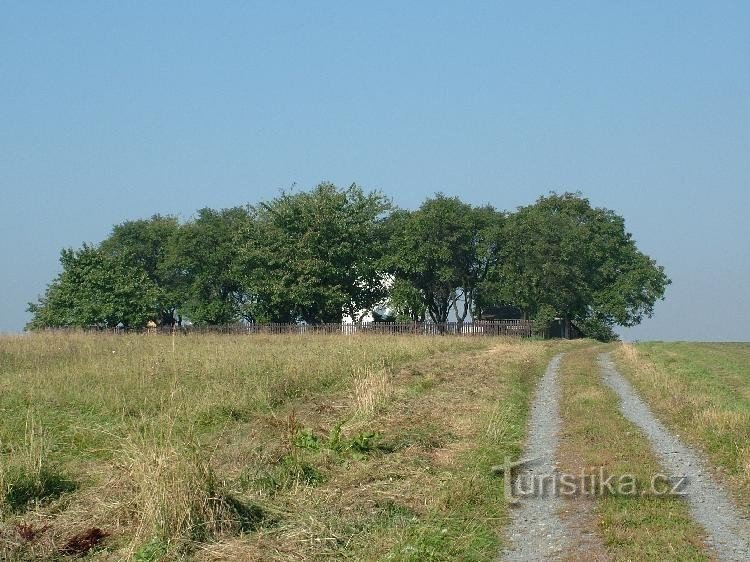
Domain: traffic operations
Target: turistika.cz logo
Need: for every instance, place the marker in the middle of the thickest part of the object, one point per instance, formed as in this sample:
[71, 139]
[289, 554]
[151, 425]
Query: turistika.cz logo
[522, 482]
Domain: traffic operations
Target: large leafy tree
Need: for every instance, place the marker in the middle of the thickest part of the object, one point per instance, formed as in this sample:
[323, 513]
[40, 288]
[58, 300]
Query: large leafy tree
[444, 251]
[206, 255]
[96, 288]
[314, 255]
[563, 255]
[150, 244]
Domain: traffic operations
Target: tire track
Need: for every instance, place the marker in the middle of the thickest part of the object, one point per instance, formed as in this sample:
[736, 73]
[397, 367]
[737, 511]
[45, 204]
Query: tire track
[536, 531]
[728, 533]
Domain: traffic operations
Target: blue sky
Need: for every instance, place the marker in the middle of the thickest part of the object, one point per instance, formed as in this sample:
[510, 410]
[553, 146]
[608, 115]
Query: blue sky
[113, 111]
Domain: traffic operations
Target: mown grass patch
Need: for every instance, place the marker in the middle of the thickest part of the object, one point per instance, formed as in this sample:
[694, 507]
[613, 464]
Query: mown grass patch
[410, 480]
[470, 509]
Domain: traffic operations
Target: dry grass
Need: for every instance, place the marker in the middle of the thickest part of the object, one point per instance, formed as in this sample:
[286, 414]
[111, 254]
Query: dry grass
[702, 391]
[595, 434]
[169, 492]
[424, 491]
[372, 390]
[265, 447]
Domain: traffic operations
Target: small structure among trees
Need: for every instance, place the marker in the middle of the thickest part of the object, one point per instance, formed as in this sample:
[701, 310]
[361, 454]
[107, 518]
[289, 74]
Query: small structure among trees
[314, 256]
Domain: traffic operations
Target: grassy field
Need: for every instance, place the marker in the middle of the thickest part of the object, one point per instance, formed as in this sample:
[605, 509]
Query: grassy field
[702, 392]
[258, 448]
[208, 448]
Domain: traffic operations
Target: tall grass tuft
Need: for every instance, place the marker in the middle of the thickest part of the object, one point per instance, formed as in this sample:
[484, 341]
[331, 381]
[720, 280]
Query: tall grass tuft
[371, 391]
[30, 478]
[172, 495]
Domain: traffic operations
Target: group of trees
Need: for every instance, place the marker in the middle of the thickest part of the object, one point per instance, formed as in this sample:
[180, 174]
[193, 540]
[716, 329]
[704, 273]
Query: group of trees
[313, 256]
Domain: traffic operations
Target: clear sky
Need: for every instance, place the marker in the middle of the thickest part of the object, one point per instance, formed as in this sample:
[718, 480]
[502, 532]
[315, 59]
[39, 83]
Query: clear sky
[112, 111]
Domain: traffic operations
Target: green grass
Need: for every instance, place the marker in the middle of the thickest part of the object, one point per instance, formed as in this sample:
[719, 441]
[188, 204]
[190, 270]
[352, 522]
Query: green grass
[260, 448]
[23, 488]
[702, 392]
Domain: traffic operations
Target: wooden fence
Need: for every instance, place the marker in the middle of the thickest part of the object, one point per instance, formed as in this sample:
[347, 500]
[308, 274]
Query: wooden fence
[517, 328]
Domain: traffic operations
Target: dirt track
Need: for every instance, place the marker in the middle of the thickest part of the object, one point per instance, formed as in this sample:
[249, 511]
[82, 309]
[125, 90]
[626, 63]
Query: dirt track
[537, 533]
[728, 534]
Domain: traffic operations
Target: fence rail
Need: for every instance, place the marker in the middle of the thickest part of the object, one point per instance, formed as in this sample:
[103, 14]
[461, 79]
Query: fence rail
[494, 328]
[517, 328]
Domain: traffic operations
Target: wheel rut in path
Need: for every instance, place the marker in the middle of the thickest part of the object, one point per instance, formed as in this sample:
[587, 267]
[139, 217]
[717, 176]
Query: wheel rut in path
[728, 533]
[536, 531]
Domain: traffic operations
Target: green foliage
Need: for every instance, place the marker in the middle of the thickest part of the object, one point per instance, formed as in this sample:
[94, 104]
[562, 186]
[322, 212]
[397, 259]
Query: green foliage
[306, 439]
[543, 319]
[150, 245]
[383, 316]
[406, 300]
[290, 471]
[96, 288]
[207, 254]
[363, 443]
[597, 329]
[24, 487]
[442, 253]
[578, 260]
[151, 551]
[315, 255]
[357, 446]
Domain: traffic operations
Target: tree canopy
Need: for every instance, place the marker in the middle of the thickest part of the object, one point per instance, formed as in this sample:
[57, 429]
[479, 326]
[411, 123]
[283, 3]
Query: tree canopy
[206, 255]
[443, 251]
[96, 289]
[149, 245]
[565, 256]
[313, 256]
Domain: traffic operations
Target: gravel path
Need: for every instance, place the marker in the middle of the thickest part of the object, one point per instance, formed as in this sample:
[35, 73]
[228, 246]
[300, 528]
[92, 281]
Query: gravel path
[536, 532]
[728, 532]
